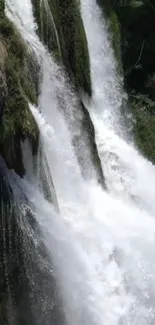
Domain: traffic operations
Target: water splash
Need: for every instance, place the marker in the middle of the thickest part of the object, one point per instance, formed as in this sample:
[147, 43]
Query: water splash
[127, 173]
[102, 244]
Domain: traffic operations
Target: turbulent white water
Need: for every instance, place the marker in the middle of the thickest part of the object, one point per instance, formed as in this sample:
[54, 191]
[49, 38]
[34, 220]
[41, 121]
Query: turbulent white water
[127, 173]
[102, 243]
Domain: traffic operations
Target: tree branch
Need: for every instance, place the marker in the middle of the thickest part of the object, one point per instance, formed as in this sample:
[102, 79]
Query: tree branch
[140, 55]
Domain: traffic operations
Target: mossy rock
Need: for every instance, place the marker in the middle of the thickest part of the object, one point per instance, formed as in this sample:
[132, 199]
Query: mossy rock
[60, 26]
[143, 110]
[46, 26]
[116, 38]
[114, 29]
[2, 8]
[17, 122]
[75, 52]
[89, 132]
[137, 22]
[85, 145]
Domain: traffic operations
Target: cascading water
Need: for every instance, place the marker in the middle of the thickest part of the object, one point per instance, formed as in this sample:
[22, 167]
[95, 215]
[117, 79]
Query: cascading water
[101, 244]
[127, 173]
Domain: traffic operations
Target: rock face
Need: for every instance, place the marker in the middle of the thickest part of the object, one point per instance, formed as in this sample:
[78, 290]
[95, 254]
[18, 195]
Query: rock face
[3, 93]
[25, 281]
[17, 87]
[27, 285]
[138, 51]
[16, 124]
[86, 148]
[133, 26]
[3, 83]
[60, 27]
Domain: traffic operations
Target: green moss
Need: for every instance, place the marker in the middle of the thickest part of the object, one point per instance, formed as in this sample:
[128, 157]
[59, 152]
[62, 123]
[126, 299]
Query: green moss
[18, 122]
[30, 77]
[132, 23]
[2, 7]
[138, 51]
[16, 104]
[144, 125]
[61, 28]
[116, 37]
[75, 51]
[46, 26]
[114, 29]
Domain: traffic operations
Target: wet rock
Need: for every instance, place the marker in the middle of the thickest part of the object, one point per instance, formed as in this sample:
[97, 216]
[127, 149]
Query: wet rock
[3, 83]
[28, 289]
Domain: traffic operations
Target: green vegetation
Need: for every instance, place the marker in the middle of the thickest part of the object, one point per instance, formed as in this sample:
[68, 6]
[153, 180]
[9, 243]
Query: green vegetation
[144, 124]
[16, 89]
[116, 38]
[2, 8]
[137, 20]
[133, 24]
[75, 51]
[61, 28]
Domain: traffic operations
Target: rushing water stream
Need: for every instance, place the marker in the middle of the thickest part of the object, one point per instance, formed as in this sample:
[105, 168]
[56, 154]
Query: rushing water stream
[101, 243]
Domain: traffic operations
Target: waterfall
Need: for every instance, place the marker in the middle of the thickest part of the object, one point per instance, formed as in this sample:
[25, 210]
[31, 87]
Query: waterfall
[100, 245]
[45, 4]
[127, 173]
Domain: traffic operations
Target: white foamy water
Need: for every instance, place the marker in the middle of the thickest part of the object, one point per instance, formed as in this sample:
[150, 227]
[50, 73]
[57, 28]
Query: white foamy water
[102, 243]
[128, 174]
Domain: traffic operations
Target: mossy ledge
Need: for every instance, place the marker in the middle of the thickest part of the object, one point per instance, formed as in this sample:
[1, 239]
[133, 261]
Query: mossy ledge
[60, 27]
[18, 86]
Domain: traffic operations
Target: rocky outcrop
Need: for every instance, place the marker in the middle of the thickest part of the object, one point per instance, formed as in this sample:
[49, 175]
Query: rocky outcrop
[137, 21]
[108, 11]
[16, 124]
[25, 279]
[86, 148]
[18, 86]
[132, 30]
[60, 26]
[3, 84]
[27, 285]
